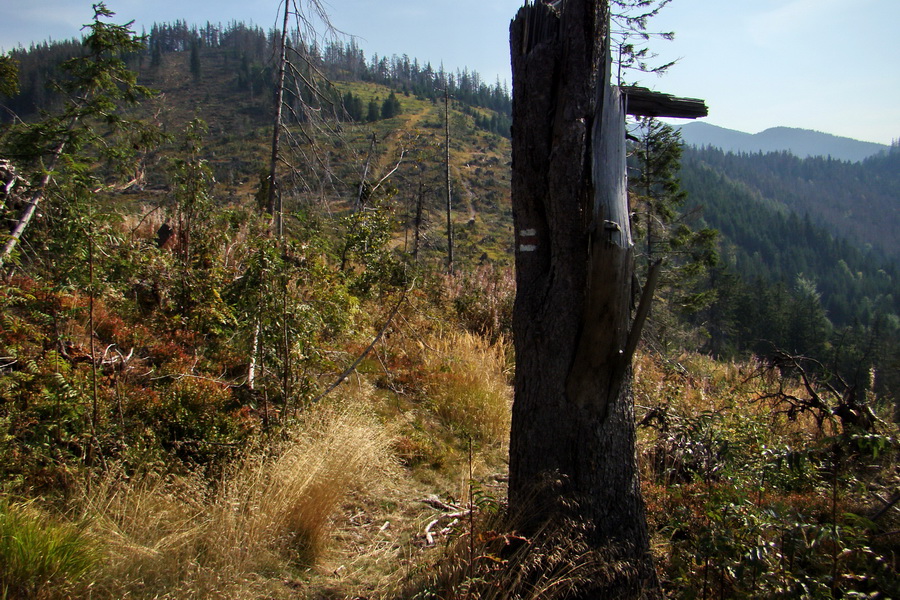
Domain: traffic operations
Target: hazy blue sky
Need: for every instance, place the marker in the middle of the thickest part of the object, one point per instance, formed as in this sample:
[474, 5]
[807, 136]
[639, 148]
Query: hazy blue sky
[828, 65]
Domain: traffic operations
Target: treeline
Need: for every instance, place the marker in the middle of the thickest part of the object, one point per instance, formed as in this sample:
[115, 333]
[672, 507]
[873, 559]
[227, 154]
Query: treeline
[248, 51]
[786, 283]
[341, 62]
[38, 67]
[855, 201]
[348, 62]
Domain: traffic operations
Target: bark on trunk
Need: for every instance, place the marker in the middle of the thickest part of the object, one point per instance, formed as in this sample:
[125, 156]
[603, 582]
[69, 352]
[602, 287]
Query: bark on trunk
[447, 179]
[573, 417]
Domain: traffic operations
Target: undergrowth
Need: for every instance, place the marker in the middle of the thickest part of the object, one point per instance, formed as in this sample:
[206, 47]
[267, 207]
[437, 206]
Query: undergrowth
[748, 503]
[467, 387]
[488, 559]
[269, 515]
[166, 429]
[41, 556]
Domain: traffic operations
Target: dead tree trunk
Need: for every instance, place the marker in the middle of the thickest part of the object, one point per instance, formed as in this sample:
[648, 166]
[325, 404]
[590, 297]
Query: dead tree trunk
[418, 222]
[273, 198]
[447, 179]
[573, 416]
[32, 205]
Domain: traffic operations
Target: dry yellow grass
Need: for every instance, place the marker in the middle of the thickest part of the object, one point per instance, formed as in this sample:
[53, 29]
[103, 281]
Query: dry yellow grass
[268, 516]
[467, 385]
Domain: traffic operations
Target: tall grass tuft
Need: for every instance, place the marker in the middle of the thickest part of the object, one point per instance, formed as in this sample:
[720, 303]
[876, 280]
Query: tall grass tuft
[268, 516]
[285, 500]
[39, 557]
[468, 385]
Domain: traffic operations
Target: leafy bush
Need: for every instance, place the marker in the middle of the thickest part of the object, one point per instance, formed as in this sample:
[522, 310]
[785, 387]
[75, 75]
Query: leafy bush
[748, 503]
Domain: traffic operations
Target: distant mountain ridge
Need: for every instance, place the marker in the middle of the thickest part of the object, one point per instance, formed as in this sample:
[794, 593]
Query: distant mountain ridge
[802, 143]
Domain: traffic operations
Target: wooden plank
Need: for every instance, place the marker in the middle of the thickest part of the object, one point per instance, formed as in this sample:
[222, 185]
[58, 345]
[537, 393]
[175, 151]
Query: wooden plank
[643, 102]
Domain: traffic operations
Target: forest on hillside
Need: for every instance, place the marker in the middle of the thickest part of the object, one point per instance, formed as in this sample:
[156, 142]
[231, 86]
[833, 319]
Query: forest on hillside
[247, 50]
[224, 374]
[778, 241]
[854, 201]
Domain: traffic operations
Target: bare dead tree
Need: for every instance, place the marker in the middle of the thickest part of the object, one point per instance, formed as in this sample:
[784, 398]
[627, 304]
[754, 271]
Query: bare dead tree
[573, 413]
[447, 179]
[308, 121]
[573, 417]
[805, 385]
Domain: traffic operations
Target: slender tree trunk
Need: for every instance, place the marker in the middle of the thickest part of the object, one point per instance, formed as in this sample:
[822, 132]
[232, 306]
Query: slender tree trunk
[254, 356]
[275, 207]
[360, 201]
[95, 405]
[447, 175]
[285, 340]
[573, 415]
[418, 222]
[274, 194]
[31, 207]
[647, 192]
[361, 189]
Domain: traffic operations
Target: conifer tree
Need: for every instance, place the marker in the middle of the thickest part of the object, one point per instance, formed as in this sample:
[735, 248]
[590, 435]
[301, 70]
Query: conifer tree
[191, 184]
[97, 85]
[9, 76]
[670, 244]
[195, 61]
[155, 54]
[390, 108]
[353, 106]
[373, 113]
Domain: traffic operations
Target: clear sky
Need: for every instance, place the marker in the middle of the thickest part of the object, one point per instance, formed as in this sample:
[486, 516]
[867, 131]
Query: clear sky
[828, 65]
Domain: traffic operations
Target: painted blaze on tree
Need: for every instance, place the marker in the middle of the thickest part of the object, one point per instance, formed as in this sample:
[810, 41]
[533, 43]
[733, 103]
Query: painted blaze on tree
[573, 440]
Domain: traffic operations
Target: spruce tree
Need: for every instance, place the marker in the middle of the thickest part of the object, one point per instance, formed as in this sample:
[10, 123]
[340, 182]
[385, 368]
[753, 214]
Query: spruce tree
[9, 76]
[67, 146]
[390, 108]
[670, 244]
[353, 106]
[195, 61]
[155, 54]
[374, 112]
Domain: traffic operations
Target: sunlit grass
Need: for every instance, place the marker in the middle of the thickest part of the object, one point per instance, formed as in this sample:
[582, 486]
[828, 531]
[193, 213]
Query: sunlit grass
[467, 386]
[39, 556]
[269, 515]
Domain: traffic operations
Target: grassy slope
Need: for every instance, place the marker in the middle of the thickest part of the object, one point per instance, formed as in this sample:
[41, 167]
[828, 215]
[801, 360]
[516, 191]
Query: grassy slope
[239, 140]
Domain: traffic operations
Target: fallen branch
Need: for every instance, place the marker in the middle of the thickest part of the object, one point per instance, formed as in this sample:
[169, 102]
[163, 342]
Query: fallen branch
[365, 352]
[888, 505]
[429, 537]
[436, 502]
[453, 512]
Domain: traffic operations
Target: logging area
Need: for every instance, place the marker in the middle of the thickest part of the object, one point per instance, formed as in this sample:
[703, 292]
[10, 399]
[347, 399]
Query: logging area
[280, 321]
